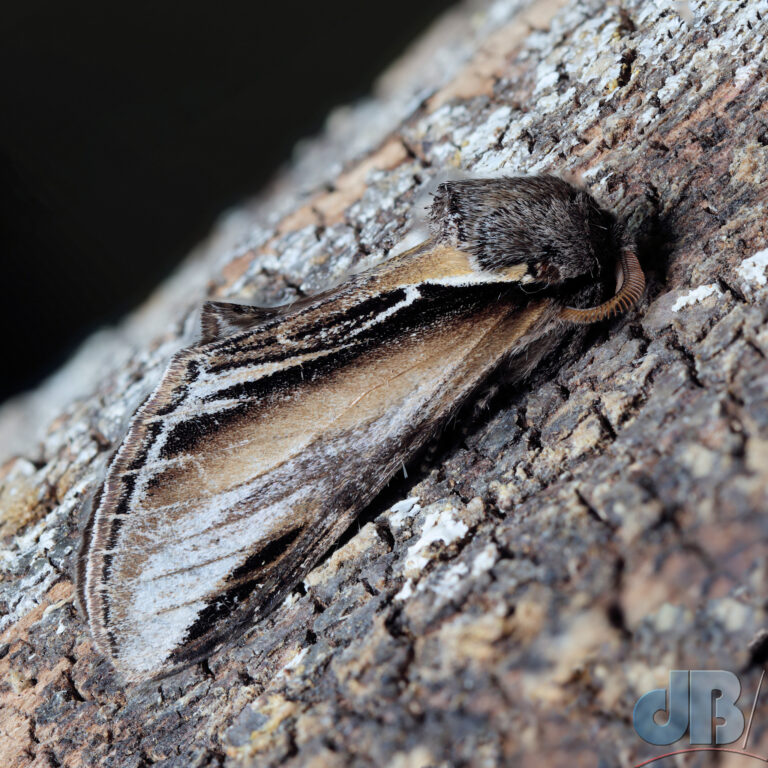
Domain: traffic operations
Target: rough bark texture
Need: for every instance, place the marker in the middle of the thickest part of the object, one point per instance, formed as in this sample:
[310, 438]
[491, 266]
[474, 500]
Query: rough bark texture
[595, 531]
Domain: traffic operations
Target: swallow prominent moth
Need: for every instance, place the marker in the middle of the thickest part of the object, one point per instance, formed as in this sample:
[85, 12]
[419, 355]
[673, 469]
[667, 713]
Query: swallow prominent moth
[265, 439]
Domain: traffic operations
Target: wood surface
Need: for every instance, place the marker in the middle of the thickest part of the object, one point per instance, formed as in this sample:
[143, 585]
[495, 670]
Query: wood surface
[510, 603]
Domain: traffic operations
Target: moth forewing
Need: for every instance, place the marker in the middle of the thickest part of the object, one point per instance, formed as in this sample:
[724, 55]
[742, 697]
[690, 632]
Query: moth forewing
[262, 443]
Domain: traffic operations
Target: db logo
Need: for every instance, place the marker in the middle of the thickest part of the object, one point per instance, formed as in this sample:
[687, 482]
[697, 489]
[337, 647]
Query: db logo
[695, 701]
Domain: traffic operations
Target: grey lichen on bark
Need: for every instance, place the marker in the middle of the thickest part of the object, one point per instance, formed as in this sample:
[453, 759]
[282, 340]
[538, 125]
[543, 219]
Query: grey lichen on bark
[597, 529]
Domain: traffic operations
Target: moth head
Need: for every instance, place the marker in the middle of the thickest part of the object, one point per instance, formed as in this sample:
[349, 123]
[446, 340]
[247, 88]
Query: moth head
[552, 230]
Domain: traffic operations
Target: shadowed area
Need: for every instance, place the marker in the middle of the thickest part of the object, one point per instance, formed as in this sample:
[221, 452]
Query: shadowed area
[128, 128]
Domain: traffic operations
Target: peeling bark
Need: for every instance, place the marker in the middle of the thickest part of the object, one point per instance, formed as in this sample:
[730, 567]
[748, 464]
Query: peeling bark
[509, 604]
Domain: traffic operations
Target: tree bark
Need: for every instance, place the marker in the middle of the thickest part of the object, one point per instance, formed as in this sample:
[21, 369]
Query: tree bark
[509, 605]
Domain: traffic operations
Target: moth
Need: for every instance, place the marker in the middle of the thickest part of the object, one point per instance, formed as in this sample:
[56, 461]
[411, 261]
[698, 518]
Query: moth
[265, 439]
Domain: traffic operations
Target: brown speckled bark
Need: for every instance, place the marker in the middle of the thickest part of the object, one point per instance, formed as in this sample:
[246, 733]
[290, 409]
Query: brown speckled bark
[599, 528]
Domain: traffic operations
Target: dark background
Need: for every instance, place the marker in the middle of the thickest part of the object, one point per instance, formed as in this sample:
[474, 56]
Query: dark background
[125, 128]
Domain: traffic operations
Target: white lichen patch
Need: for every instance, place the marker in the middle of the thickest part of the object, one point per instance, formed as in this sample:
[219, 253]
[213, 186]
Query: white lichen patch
[695, 296]
[440, 525]
[672, 87]
[449, 584]
[745, 74]
[485, 560]
[403, 511]
[475, 142]
[405, 591]
[752, 271]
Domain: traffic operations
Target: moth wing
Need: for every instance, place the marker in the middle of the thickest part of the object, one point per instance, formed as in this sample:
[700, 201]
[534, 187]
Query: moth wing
[220, 319]
[252, 457]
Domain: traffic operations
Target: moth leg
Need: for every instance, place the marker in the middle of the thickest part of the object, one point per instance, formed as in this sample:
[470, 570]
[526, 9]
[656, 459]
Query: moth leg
[484, 399]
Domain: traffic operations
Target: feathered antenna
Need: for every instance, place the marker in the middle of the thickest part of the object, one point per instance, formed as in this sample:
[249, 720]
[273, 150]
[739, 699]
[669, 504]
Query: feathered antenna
[630, 284]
